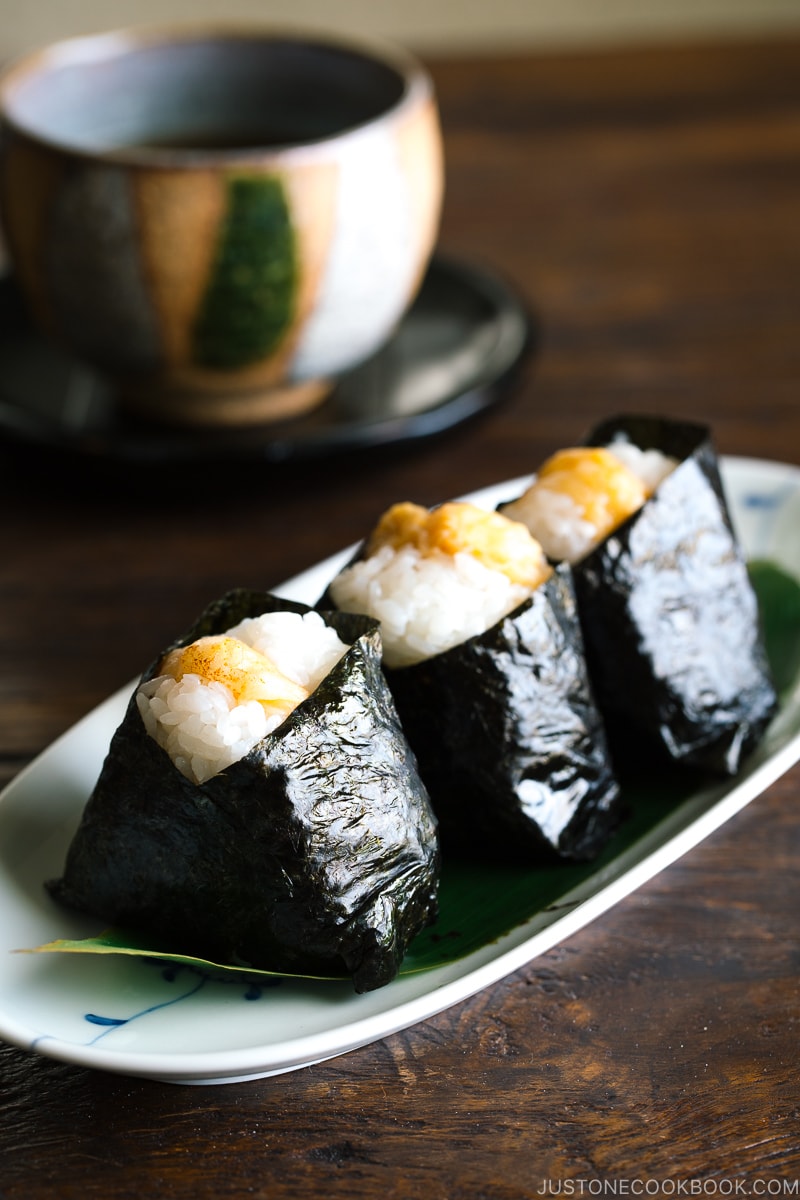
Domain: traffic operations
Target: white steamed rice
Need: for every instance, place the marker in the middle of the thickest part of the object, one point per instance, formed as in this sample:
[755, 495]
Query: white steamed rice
[557, 522]
[201, 726]
[425, 603]
[560, 528]
[651, 466]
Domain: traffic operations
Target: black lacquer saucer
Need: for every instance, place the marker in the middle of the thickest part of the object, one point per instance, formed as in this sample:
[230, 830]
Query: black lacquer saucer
[452, 356]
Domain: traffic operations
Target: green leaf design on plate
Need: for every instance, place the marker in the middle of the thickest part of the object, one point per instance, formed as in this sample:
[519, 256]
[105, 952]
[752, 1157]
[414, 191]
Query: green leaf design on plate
[779, 598]
[480, 902]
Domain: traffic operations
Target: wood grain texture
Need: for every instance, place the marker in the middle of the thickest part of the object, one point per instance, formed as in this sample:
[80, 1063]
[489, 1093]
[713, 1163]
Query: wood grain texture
[646, 205]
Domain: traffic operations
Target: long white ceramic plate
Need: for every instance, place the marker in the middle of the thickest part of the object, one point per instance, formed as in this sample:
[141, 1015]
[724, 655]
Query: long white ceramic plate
[132, 1016]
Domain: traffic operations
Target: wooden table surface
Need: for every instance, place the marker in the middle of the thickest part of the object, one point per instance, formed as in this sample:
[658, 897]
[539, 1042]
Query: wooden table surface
[646, 204]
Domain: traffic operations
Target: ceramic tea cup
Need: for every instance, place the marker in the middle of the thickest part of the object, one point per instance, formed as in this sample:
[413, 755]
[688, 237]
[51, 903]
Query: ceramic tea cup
[220, 220]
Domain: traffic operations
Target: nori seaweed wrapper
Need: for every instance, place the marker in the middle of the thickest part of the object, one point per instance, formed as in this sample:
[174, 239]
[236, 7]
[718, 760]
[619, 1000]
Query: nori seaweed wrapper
[509, 741]
[317, 852]
[670, 618]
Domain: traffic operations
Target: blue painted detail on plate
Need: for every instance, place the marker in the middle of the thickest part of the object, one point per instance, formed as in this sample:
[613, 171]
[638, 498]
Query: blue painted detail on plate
[112, 1023]
[762, 516]
[170, 973]
[762, 500]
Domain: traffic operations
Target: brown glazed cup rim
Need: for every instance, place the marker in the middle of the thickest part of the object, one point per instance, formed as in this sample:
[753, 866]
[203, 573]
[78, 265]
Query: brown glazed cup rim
[414, 86]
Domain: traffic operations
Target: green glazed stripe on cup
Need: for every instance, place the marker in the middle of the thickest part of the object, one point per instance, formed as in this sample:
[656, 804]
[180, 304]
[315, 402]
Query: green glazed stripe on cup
[249, 303]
